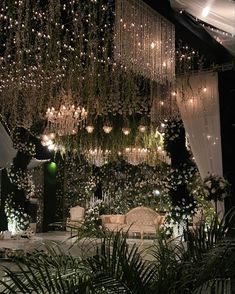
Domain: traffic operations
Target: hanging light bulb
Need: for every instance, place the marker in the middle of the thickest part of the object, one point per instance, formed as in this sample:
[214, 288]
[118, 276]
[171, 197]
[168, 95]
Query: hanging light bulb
[126, 131]
[89, 129]
[107, 129]
[142, 128]
[52, 136]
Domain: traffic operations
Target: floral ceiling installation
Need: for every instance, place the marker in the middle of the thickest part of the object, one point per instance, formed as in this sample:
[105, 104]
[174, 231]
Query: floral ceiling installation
[144, 41]
[52, 47]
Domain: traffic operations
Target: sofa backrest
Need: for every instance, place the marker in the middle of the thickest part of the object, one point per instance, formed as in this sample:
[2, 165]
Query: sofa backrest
[77, 213]
[113, 219]
[143, 216]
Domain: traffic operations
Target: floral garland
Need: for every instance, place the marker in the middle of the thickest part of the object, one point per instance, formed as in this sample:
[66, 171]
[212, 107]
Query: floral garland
[23, 146]
[22, 179]
[80, 184]
[18, 220]
[183, 212]
[181, 209]
[91, 222]
[216, 188]
[172, 132]
[179, 176]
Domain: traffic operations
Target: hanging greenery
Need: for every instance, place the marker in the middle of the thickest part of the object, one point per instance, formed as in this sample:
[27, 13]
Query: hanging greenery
[21, 179]
[80, 182]
[104, 139]
[123, 186]
[173, 132]
[50, 47]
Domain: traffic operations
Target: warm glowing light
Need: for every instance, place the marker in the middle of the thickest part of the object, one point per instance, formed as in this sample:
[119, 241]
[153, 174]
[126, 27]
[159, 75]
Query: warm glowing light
[51, 147]
[67, 119]
[173, 93]
[142, 128]
[152, 45]
[164, 64]
[107, 129]
[89, 129]
[126, 131]
[45, 138]
[52, 136]
[205, 11]
[156, 192]
[204, 89]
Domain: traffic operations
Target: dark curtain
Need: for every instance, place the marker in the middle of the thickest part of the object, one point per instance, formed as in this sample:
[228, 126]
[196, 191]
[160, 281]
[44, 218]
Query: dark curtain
[227, 117]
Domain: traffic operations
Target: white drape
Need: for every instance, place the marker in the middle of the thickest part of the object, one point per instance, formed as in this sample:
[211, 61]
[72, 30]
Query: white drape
[7, 152]
[221, 13]
[198, 102]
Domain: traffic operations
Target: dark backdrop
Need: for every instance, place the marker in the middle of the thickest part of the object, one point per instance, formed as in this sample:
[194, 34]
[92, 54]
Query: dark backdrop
[227, 118]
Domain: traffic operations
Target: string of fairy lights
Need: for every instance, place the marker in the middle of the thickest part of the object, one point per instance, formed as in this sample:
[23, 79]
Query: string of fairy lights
[80, 47]
[52, 47]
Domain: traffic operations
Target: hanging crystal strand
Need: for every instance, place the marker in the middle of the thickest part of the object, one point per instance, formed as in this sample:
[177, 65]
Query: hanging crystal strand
[144, 41]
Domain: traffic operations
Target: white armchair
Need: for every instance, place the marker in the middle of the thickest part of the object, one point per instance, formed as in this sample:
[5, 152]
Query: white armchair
[76, 218]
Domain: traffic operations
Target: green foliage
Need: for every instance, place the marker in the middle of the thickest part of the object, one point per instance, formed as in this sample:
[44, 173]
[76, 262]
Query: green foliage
[17, 218]
[130, 186]
[205, 264]
[119, 266]
[51, 271]
[174, 132]
[216, 188]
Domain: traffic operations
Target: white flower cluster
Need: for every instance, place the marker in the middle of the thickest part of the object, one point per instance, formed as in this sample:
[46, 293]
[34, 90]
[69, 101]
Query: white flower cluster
[182, 212]
[16, 215]
[25, 147]
[173, 130]
[216, 187]
[176, 177]
[22, 179]
[91, 219]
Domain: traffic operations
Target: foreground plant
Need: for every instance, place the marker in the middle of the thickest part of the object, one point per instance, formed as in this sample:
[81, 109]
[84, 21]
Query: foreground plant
[109, 265]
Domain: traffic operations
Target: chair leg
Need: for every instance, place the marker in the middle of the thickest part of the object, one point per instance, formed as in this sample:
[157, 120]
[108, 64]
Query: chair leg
[142, 236]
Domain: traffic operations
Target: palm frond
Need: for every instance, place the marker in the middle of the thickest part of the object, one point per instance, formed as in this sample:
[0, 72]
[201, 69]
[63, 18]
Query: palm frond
[120, 263]
[51, 271]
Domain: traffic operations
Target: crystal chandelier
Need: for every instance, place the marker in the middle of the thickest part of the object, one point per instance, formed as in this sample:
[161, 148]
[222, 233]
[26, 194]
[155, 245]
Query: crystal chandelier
[97, 156]
[135, 156]
[144, 41]
[66, 120]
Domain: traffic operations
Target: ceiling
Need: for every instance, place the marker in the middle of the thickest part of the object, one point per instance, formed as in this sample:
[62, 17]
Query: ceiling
[213, 34]
[219, 21]
[221, 13]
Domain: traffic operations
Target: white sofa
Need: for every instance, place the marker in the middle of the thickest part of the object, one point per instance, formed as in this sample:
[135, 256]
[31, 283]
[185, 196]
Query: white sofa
[140, 220]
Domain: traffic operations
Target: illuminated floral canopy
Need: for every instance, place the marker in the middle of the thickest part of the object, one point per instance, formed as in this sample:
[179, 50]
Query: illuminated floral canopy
[53, 47]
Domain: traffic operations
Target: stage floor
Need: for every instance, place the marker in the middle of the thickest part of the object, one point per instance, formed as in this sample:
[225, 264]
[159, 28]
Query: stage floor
[84, 247]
